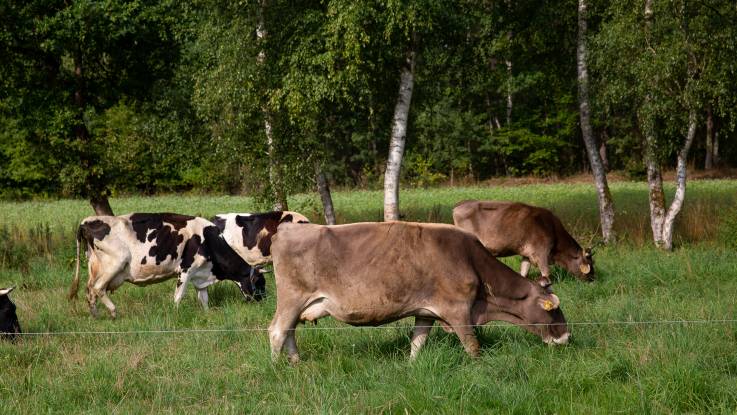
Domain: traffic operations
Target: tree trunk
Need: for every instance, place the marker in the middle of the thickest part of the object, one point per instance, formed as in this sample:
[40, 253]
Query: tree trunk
[709, 160]
[101, 206]
[398, 137]
[275, 179]
[715, 152]
[509, 87]
[327, 200]
[662, 221]
[94, 184]
[603, 152]
[606, 206]
[655, 191]
[508, 62]
[675, 206]
[278, 195]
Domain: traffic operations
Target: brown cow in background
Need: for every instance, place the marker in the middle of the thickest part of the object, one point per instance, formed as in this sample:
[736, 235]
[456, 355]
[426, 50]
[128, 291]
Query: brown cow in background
[511, 228]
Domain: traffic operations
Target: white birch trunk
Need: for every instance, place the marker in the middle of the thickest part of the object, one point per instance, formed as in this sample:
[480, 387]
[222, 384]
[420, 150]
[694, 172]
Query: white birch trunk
[509, 90]
[606, 205]
[709, 160]
[398, 138]
[277, 190]
[677, 204]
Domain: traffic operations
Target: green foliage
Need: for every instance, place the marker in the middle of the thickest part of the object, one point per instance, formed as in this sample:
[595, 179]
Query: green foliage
[525, 152]
[175, 96]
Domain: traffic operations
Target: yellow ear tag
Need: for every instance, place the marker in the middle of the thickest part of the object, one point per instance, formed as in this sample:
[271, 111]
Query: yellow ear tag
[585, 268]
[548, 305]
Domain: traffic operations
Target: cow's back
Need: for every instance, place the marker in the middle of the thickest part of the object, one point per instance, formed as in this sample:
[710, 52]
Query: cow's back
[377, 270]
[506, 228]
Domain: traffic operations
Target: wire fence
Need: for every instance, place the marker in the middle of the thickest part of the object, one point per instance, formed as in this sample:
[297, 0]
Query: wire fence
[383, 327]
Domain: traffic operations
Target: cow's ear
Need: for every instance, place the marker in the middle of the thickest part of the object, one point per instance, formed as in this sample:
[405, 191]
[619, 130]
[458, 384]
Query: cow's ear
[6, 291]
[550, 303]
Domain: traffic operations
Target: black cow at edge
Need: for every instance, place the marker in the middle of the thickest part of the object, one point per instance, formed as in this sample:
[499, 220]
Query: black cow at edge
[9, 326]
[146, 248]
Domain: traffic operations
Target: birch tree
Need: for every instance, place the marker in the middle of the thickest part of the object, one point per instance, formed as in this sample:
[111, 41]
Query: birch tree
[398, 137]
[275, 180]
[606, 205]
[661, 59]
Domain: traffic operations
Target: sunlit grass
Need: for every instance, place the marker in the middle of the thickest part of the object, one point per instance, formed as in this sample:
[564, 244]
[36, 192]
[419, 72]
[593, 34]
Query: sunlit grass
[608, 368]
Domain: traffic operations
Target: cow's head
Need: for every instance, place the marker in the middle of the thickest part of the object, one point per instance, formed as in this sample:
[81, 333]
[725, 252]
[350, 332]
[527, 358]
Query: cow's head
[9, 325]
[253, 284]
[579, 262]
[529, 304]
[543, 314]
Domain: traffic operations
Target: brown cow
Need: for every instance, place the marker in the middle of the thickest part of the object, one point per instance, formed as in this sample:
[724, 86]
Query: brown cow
[375, 273]
[510, 228]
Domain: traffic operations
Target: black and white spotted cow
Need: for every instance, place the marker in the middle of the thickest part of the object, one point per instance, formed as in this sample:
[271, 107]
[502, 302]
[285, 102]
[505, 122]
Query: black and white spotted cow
[9, 326]
[250, 233]
[146, 248]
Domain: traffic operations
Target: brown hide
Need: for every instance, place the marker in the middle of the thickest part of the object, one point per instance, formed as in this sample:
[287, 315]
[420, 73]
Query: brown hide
[375, 273]
[509, 228]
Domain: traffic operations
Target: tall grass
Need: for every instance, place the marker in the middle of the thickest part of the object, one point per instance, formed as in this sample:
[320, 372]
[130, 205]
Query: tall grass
[607, 368]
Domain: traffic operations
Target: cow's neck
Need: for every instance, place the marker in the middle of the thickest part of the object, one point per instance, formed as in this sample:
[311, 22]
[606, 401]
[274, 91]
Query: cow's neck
[500, 297]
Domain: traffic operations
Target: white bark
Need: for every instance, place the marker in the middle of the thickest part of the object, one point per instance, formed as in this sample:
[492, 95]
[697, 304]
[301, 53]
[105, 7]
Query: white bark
[606, 206]
[278, 195]
[508, 62]
[709, 160]
[662, 221]
[675, 206]
[398, 138]
[509, 89]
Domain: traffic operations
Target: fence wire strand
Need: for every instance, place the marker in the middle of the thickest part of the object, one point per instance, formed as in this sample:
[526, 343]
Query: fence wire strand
[384, 327]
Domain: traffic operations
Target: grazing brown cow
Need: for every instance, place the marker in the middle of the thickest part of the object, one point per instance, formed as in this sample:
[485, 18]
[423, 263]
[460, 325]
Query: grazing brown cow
[368, 274]
[510, 228]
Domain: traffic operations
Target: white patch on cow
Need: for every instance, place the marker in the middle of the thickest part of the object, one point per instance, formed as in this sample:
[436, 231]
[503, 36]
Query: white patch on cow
[6, 291]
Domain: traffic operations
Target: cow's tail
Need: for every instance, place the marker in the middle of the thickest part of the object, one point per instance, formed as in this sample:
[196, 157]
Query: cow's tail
[75, 282]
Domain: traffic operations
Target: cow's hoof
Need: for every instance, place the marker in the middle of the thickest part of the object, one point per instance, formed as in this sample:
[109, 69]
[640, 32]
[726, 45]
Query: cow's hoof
[293, 359]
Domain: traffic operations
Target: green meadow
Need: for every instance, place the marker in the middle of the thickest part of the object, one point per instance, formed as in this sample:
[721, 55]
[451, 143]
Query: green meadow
[653, 334]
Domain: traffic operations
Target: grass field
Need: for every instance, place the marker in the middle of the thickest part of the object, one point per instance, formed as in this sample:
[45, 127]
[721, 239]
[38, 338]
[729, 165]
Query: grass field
[609, 367]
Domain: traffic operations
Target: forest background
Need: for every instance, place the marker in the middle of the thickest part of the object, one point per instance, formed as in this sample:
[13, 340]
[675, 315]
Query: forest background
[269, 98]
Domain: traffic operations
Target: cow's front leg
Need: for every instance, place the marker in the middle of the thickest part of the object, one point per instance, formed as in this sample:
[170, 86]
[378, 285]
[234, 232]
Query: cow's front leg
[419, 335]
[281, 331]
[181, 287]
[464, 330]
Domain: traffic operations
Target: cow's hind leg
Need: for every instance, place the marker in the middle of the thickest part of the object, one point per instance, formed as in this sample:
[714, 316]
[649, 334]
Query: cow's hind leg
[107, 282]
[202, 296]
[419, 335]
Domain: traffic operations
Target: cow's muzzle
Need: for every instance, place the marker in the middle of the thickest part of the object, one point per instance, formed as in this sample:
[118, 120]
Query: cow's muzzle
[558, 340]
